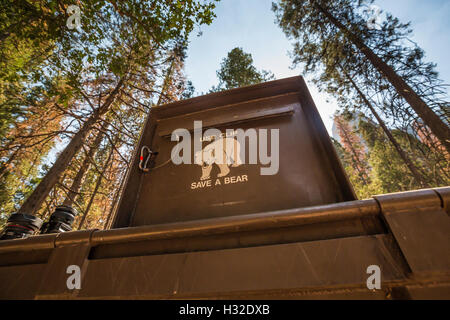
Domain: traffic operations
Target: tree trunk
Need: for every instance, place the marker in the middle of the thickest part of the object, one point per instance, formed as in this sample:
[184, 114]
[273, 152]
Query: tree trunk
[76, 183]
[3, 167]
[167, 79]
[356, 161]
[115, 201]
[437, 126]
[37, 197]
[97, 186]
[415, 172]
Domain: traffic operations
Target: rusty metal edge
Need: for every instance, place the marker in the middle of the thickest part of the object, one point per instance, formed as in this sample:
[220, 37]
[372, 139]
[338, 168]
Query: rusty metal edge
[423, 198]
[444, 195]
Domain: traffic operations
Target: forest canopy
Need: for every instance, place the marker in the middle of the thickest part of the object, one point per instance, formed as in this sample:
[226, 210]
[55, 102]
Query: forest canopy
[77, 85]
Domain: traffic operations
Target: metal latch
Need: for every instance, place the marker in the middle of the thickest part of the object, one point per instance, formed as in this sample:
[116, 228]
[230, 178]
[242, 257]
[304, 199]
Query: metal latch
[144, 159]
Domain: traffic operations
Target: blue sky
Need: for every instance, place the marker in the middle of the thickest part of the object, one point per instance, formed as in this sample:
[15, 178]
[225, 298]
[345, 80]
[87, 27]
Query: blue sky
[250, 24]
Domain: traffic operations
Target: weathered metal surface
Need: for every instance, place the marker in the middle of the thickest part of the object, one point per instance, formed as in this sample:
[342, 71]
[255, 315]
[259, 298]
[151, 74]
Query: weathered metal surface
[285, 267]
[444, 195]
[309, 170]
[410, 221]
[150, 262]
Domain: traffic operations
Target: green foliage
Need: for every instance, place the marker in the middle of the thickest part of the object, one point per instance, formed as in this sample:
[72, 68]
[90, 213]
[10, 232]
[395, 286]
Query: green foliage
[329, 53]
[18, 182]
[189, 91]
[111, 31]
[322, 48]
[361, 188]
[103, 24]
[237, 70]
[53, 78]
[387, 171]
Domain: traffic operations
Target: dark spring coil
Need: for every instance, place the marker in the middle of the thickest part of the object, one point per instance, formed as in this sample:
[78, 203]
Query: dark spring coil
[20, 225]
[60, 221]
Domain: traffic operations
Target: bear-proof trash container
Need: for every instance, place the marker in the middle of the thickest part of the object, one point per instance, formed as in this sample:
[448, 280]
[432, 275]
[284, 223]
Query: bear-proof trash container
[247, 150]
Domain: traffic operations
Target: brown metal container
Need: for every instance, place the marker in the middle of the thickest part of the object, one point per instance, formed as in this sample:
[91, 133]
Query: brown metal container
[298, 234]
[309, 171]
